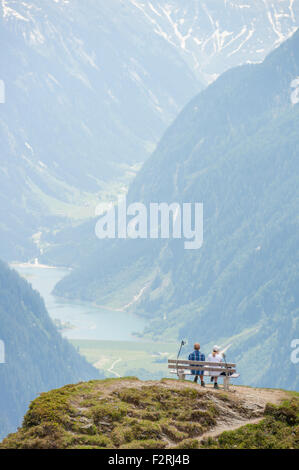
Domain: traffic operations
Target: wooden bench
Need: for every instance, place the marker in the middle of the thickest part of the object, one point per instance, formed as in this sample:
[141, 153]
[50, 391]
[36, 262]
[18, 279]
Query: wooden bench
[182, 368]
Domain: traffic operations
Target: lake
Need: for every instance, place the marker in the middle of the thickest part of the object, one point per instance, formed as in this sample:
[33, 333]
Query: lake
[83, 320]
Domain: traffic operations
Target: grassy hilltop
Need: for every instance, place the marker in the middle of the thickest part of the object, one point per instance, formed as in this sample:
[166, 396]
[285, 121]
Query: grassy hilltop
[129, 413]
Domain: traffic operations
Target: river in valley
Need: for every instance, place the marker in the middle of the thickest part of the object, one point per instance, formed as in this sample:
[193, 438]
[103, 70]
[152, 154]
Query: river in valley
[80, 320]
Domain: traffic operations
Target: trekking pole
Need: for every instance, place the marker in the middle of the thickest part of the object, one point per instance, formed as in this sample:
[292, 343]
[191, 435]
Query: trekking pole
[224, 357]
[226, 371]
[182, 344]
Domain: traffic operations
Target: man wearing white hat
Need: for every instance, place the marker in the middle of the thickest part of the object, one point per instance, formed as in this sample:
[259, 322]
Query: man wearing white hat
[215, 357]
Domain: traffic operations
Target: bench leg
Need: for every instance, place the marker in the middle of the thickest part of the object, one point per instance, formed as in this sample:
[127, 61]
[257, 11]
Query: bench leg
[181, 376]
[226, 383]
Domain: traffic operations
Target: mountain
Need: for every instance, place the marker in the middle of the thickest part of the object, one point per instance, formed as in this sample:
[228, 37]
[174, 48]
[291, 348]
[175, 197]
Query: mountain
[213, 36]
[234, 148]
[84, 106]
[91, 87]
[130, 414]
[36, 357]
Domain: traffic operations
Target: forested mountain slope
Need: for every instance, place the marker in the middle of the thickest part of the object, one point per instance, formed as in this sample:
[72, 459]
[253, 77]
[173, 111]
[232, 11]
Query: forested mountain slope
[234, 148]
[36, 358]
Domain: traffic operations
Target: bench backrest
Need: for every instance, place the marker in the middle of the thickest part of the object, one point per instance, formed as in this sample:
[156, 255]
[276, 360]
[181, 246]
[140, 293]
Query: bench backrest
[181, 364]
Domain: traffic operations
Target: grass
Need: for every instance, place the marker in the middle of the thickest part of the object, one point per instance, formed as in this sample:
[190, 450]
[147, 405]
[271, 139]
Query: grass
[129, 414]
[79, 205]
[108, 414]
[147, 360]
[278, 430]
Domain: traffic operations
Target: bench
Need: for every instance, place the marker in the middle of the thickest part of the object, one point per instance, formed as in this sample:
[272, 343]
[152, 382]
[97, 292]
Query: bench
[181, 368]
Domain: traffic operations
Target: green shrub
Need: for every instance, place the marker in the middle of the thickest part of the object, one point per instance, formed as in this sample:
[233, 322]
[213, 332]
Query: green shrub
[108, 412]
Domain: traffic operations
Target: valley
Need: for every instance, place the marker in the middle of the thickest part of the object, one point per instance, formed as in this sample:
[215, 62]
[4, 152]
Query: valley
[109, 339]
[98, 104]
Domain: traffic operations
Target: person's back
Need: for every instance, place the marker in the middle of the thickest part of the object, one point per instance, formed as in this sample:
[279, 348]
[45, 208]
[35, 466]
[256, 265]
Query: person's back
[215, 357]
[197, 355]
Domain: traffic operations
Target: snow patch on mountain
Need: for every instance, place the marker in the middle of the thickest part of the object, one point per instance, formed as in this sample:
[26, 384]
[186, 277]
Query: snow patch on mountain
[242, 43]
[8, 12]
[212, 36]
[29, 147]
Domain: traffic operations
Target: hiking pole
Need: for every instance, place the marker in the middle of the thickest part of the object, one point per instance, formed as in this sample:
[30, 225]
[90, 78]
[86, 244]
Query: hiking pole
[224, 357]
[182, 344]
[226, 372]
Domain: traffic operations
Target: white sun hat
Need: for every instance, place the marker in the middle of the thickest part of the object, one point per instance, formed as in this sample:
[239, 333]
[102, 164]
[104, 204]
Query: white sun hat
[216, 348]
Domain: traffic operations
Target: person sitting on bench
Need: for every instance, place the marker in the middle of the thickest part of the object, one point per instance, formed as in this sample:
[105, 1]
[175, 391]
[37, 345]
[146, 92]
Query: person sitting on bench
[215, 357]
[197, 355]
